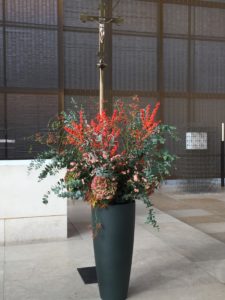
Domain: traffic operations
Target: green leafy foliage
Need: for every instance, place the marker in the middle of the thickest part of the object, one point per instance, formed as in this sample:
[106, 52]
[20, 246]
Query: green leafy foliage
[109, 160]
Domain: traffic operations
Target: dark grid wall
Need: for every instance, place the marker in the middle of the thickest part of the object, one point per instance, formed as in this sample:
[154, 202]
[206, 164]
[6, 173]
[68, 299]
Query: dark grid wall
[171, 50]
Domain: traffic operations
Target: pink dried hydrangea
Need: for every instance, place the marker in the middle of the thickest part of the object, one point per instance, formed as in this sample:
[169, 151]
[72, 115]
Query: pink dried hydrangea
[103, 188]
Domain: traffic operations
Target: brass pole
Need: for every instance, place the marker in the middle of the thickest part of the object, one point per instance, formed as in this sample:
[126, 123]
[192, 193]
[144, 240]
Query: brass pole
[60, 57]
[101, 90]
[101, 64]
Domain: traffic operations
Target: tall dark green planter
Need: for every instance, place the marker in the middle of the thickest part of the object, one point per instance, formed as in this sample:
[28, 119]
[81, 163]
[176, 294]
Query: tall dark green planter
[113, 247]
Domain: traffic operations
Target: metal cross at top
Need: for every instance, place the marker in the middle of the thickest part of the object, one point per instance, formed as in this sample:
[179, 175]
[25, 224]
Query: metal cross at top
[102, 20]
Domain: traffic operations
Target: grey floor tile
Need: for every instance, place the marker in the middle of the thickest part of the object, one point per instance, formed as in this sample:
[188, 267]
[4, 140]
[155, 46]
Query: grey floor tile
[189, 212]
[2, 252]
[161, 218]
[215, 268]
[190, 242]
[160, 272]
[1, 280]
[198, 292]
[37, 282]
[69, 249]
[171, 276]
[211, 227]
[157, 271]
[48, 277]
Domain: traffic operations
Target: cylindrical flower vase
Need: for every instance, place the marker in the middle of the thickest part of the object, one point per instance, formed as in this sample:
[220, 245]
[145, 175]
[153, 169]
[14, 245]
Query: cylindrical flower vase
[113, 248]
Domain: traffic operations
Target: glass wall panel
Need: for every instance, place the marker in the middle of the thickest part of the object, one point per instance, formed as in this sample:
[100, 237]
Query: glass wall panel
[1, 10]
[175, 64]
[176, 114]
[138, 16]
[143, 101]
[32, 11]
[208, 21]
[209, 67]
[1, 59]
[2, 127]
[134, 63]
[175, 19]
[73, 9]
[27, 115]
[80, 60]
[217, 1]
[210, 112]
[32, 58]
[2, 116]
[176, 111]
[89, 104]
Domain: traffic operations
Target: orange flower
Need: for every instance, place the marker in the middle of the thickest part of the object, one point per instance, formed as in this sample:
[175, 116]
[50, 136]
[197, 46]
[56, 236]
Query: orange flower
[147, 118]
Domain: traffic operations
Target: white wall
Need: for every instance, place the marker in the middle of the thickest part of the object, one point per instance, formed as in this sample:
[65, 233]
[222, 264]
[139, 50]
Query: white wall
[23, 216]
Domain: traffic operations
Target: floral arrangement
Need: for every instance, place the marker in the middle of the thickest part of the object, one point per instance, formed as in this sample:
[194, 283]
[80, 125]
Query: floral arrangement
[109, 160]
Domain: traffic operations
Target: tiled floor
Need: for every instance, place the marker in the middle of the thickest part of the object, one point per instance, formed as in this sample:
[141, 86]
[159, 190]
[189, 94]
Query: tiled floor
[211, 227]
[181, 213]
[205, 212]
[180, 261]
